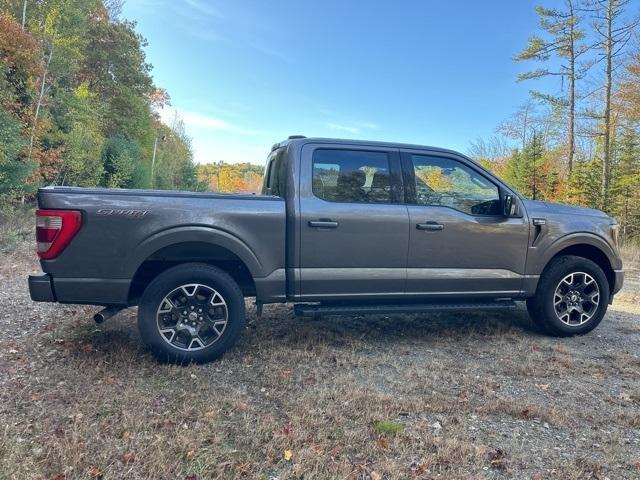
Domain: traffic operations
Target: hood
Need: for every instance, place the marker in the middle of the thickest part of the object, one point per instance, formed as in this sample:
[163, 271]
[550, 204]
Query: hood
[537, 207]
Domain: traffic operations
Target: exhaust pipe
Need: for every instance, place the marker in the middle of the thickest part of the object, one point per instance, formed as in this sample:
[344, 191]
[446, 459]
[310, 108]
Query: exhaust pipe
[106, 314]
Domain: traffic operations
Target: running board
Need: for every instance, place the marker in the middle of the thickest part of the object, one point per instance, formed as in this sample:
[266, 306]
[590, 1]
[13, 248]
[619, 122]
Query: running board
[315, 310]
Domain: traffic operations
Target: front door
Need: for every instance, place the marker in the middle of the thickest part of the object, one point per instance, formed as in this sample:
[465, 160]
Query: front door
[460, 243]
[354, 226]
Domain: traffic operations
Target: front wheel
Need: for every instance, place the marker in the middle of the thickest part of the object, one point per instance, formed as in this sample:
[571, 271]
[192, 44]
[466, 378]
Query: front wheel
[571, 298]
[191, 313]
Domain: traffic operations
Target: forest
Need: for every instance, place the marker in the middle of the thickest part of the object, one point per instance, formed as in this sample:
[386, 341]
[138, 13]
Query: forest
[78, 106]
[78, 103]
[580, 142]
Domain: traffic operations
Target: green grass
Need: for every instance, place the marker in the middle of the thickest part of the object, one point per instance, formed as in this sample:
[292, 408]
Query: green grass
[385, 427]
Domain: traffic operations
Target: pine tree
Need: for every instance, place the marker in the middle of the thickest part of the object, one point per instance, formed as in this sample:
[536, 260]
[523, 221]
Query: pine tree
[562, 26]
[614, 35]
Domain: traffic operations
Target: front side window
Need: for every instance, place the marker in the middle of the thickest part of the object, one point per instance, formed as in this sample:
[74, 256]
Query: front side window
[445, 182]
[351, 176]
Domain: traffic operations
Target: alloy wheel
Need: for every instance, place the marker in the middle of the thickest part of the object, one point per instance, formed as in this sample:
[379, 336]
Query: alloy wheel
[192, 317]
[576, 299]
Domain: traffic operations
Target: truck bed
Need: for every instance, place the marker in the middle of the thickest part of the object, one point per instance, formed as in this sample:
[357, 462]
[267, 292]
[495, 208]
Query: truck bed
[122, 229]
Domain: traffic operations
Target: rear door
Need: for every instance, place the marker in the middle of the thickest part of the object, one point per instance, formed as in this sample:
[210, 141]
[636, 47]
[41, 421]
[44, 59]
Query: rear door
[460, 243]
[354, 226]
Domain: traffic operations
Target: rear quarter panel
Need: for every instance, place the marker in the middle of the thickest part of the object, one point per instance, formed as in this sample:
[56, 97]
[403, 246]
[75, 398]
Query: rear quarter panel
[112, 244]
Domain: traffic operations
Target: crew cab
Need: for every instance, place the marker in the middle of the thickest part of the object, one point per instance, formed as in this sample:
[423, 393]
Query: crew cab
[341, 227]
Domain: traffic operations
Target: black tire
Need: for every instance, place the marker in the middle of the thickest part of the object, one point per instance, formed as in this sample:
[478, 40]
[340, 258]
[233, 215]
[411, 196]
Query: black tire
[177, 348]
[542, 307]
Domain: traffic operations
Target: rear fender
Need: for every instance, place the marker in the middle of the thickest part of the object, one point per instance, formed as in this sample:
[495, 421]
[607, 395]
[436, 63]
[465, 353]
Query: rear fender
[213, 236]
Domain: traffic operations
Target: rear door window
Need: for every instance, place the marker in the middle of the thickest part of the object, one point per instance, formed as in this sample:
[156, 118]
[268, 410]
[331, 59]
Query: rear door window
[352, 176]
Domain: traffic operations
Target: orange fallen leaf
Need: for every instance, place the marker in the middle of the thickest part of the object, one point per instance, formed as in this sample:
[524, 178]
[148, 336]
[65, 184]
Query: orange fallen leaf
[128, 458]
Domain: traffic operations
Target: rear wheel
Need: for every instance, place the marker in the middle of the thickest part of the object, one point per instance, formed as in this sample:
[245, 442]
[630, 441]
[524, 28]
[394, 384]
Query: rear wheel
[191, 312]
[571, 298]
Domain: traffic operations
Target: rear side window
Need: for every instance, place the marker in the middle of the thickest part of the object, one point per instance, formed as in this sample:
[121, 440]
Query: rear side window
[352, 176]
[274, 179]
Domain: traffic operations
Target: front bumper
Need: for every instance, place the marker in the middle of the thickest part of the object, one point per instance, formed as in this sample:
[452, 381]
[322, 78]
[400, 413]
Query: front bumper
[41, 288]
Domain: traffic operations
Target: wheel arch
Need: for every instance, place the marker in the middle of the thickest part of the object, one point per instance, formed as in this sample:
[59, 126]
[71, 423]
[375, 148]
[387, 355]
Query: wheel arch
[194, 244]
[590, 247]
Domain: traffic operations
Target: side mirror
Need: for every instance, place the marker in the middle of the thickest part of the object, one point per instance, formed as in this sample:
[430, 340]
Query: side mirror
[508, 206]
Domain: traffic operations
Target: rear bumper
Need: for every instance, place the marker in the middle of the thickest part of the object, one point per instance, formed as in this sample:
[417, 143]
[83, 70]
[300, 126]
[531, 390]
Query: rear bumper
[41, 288]
[90, 291]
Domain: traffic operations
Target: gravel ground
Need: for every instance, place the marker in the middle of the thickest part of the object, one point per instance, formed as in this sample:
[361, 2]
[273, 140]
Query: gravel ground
[464, 396]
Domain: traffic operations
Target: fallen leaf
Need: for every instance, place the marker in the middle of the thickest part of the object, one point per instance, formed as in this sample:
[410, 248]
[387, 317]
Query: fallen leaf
[189, 455]
[497, 458]
[311, 381]
[128, 458]
[95, 473]
[285, 430]
[375, 475]
[288, 455]
[382, 443]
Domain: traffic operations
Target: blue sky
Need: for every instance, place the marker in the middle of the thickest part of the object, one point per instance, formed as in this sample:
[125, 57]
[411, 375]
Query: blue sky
[246, 74]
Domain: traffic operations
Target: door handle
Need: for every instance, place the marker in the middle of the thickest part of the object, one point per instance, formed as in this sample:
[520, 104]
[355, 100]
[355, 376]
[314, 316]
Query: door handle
[431, 226]
[323, 224]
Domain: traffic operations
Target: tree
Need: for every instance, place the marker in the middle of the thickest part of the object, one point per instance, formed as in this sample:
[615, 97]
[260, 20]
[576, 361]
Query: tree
[565, 35]
[120, 157]
[531, 170]
[13, 170]
[77, 100]
[626, 182]
[629, 96]
[613, 36]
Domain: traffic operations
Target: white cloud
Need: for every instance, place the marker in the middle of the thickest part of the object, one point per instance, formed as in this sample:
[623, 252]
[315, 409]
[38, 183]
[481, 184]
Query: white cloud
[208, 150]
[354, 128]
[343, 128]
[203, 8]
[215, 139]
[200, 121]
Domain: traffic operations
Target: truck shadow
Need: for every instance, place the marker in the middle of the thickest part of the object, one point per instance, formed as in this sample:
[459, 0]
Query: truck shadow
[278, 327]
[285, 327]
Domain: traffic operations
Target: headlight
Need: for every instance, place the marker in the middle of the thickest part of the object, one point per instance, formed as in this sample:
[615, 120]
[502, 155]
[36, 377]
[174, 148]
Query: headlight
[615, 229]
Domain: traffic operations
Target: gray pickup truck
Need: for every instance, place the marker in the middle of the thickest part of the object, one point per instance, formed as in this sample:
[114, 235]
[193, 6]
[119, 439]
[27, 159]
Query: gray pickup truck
[341, 227]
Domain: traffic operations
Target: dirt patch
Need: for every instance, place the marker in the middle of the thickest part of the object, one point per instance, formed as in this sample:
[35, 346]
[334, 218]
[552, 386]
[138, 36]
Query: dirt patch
[458, 396]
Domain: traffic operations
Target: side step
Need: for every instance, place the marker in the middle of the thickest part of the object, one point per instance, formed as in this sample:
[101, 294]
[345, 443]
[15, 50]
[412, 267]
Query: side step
[315, 310]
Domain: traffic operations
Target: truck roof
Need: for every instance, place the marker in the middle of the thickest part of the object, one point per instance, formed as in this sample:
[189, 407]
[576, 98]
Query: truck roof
[299, 139]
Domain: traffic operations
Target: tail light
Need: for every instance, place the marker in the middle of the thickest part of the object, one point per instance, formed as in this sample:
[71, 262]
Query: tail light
[54, 230]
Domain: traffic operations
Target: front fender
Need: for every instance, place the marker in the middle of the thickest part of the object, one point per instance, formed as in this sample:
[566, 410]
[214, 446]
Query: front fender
[540, 256]
[195, 233]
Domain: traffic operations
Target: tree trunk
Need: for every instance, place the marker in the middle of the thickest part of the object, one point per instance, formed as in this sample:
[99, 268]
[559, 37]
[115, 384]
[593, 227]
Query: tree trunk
[39, 103]
[24, 14]
[572, 85]
[607, 106]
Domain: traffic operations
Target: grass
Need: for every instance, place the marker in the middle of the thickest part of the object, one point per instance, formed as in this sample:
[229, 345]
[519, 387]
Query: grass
[16, 226]
[387, 428]
[384, 397]
[630, 252]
